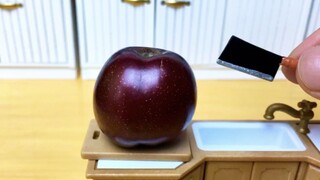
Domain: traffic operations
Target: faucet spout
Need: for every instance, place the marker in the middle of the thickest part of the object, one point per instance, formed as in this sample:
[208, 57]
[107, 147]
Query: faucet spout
[305, 114]
[269, 114]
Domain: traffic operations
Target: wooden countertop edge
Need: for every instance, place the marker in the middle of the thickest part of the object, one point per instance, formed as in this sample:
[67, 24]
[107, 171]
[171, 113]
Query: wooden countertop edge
[311, 155]
[103, 148]
[93, 173]
[178, 173]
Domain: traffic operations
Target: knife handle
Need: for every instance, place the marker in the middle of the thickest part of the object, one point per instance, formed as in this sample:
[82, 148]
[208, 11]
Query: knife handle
[289, 62]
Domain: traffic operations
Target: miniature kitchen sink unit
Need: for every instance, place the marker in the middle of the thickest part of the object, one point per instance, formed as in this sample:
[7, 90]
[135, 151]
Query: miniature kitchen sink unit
[214, 150]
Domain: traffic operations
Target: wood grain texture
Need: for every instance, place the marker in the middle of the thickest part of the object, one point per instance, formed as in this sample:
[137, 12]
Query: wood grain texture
[98, 146]
[43, 122]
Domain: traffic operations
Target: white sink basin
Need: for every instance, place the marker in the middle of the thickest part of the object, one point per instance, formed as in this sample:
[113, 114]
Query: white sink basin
[246, 136]
[314, 134]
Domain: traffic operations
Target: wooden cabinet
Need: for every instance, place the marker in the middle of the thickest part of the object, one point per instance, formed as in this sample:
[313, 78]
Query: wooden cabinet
[228, 170]
[251, 170]
[198, 31]
[196, 174]
[274, 170]
[312, 173]
[37, 39]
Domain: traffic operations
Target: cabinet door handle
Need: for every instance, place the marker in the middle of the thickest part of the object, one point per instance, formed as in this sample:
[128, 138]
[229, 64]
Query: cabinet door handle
[175, 4]
[10, 6]
[136, 2]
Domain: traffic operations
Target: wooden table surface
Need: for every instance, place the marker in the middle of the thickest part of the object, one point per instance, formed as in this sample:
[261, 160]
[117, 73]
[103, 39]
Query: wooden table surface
[43, 122]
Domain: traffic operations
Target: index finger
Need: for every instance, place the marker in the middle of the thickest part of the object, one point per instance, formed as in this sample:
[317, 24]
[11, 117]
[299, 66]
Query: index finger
[310, 41]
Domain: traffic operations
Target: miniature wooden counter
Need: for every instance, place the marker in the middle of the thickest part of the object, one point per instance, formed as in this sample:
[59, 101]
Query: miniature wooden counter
[196, 161]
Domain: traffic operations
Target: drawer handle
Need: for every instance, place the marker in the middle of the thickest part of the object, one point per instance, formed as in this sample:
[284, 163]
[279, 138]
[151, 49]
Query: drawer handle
[136, 2]
[10, 6]
[175, 4]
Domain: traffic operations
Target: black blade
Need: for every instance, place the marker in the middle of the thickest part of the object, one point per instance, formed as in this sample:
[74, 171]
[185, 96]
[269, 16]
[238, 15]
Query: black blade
[245, 57]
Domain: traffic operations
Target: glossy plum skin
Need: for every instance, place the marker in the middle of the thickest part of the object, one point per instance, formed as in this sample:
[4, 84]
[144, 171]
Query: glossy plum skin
[144, 96]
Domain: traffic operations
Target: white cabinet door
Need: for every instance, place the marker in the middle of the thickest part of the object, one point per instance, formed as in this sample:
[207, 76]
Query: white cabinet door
[199, 32]
[104, 27]
[193, 31]
[275, 25]
[278, 26]
[36, 39]
[314, 22]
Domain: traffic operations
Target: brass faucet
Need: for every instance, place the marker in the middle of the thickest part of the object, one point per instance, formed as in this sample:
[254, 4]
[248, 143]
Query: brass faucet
[305, 114]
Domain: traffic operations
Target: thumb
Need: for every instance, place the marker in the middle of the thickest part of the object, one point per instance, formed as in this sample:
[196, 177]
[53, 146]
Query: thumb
[308, 71]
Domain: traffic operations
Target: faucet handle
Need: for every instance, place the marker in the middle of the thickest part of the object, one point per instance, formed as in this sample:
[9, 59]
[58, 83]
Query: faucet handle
[307, 105]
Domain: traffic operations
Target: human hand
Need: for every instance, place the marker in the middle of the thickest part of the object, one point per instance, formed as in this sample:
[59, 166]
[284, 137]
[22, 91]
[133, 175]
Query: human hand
[307, 73]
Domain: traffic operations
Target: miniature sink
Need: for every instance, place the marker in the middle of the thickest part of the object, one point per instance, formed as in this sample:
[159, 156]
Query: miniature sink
[314, 134]
[246, 136]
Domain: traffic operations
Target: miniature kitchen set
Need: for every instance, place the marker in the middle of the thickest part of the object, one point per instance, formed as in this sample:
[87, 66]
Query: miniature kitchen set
[215, 150]
[211, 150]
[133, 136]
[233, 134]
